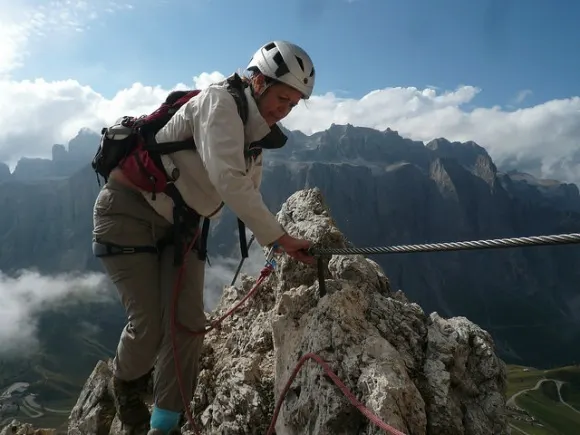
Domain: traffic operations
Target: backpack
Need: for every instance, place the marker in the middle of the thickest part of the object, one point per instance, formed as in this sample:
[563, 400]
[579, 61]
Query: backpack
[130, 144]
[130, 141]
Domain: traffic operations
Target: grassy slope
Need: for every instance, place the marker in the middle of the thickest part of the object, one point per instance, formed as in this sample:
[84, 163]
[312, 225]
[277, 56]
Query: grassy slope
[543, 404]
[532, 429]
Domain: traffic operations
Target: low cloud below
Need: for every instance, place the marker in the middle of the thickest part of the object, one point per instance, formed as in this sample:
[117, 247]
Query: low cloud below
[28, 294]
[222, 271]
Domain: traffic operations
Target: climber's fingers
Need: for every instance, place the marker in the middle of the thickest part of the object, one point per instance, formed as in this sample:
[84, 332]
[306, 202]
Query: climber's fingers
[303, 256]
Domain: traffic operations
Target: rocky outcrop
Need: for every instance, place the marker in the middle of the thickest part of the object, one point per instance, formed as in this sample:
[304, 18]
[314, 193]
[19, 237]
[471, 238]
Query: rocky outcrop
[419, 373]
[17, 428]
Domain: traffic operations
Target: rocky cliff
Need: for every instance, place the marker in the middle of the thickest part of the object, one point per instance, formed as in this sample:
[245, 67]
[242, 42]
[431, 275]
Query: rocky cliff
[419, 373]
[387, 190]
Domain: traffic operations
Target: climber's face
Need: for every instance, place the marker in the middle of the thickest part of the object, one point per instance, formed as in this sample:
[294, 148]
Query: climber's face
[276, 100]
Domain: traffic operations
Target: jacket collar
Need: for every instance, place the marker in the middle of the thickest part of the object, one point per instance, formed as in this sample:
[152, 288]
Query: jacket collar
[256, 127]
[258, 134]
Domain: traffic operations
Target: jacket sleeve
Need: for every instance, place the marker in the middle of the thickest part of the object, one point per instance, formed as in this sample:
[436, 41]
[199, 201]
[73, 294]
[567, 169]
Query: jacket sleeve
[257, 171]
[219, 137]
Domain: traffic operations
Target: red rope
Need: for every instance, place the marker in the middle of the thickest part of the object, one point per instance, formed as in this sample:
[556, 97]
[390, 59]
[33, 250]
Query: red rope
[266, 271]
[349, 395]
[174, 324]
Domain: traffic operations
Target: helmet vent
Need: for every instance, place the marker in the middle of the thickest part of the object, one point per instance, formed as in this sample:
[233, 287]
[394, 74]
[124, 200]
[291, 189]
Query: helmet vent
[300, 62]
[282, 67]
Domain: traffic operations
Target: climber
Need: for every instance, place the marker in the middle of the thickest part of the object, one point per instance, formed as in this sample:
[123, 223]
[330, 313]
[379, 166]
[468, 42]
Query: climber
[218, 171]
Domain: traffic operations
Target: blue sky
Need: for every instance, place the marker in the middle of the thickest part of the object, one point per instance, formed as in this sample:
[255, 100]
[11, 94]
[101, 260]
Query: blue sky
[501, 46]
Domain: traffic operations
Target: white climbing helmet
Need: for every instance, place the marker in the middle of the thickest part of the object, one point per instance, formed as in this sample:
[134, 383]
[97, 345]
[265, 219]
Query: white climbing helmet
[286, 63]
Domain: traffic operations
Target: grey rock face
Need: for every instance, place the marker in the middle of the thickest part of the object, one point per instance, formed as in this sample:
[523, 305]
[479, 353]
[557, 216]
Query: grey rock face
[420, 374]
[4, 172]
[17, 428]
[94, 411]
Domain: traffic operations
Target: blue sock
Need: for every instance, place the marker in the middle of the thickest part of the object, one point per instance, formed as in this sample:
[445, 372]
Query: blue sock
[163, 419]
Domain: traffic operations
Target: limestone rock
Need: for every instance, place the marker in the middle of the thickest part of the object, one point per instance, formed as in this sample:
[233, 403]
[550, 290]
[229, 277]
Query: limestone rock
[94, 411]
[420, 374]
[17, 428]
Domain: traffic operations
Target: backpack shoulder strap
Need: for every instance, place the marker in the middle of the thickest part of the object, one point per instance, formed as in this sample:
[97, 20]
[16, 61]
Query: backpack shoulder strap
[236, 87]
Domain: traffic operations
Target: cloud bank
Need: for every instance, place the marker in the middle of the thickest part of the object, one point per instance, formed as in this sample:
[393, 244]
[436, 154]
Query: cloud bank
[28, 294]
[545, 136]
[222, 270]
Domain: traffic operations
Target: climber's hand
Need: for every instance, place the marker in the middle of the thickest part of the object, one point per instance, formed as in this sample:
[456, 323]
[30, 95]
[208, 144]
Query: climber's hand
[296, 248]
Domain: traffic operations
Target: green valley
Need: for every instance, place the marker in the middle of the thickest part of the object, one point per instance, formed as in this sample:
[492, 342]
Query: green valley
[42, 388]
[544, 402]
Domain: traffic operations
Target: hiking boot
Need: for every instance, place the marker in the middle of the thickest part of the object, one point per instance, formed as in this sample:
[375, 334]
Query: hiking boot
[128, 400]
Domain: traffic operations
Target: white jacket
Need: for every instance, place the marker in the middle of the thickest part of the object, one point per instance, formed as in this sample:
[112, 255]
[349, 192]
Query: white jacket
[217, 171]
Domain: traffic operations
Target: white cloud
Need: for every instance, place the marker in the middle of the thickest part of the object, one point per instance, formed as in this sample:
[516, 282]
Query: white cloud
[41, 113]
[205, 79]
[28, 294]
[37, 114]
[548, 132]
[522, 95]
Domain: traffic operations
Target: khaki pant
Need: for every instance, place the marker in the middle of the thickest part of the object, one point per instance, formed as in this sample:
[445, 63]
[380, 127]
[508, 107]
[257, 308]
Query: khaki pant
[145, 283]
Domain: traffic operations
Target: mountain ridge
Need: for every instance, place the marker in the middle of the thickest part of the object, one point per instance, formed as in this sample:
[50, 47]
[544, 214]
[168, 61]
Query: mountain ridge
[82, 147]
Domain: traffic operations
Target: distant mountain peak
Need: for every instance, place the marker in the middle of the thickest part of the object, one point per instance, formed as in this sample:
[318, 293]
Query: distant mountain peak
[86, 131]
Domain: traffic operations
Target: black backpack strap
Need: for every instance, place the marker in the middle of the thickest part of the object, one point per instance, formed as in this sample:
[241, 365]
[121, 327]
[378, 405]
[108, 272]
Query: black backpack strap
[204, 237]
[236, 88]
[243, 241]
[273, 140]
[185, 222]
